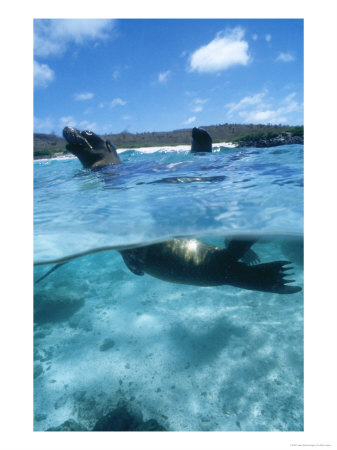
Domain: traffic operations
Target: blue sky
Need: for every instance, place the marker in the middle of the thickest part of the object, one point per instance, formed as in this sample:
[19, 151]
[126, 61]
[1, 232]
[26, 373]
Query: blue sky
[165, 74]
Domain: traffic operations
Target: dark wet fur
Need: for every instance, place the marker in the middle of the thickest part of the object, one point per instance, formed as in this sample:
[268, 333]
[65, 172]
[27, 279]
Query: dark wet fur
[201, 141]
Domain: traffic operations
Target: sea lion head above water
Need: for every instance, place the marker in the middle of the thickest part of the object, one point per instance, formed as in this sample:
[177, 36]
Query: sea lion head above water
[90, 149]
[201, 141]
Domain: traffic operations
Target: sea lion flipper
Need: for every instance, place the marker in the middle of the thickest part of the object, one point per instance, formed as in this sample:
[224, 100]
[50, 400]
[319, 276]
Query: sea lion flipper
[135, 259]
[49, 272]
[240, 249]
[250, 257]
[268, 277]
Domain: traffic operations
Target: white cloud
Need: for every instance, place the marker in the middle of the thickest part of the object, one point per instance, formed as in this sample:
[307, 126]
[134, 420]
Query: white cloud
[190, 120]
[285, 57]
[163, 76]
[68, 121]
[255, 37]
[221, 53]
[127, 117]
[43, 75]
[268, 37]
[53, 36]
[82, 125]
[117, 101]
[45, 125]
[267, 116]
[198, 104]
[49, 125]
[254, 109]
[190, 93]
[83, 96]
[86, 125]
[255, 99]
[115, 74]
[288, 104]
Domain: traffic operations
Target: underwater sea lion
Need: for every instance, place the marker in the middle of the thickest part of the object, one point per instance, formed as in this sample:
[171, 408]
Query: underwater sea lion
[201, 141]
[90, 149]
[194, 262]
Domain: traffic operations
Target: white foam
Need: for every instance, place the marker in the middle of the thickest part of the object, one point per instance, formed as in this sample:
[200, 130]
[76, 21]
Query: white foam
[156, 149]
[59, 157]
[173, 148]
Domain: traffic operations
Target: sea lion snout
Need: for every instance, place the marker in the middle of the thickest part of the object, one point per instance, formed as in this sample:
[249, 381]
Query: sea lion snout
[91, 149]
[70, 134]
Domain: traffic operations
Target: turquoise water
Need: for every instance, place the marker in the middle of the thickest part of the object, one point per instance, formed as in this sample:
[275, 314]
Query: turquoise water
[193, 358]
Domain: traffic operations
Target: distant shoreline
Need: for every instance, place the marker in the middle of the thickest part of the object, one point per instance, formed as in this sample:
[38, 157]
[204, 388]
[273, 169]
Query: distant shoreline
[168, 148]
[61, 155]
[48, 146]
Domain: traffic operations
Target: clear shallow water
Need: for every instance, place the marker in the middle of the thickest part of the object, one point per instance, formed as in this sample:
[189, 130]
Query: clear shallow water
[211, 358]
[79, 210]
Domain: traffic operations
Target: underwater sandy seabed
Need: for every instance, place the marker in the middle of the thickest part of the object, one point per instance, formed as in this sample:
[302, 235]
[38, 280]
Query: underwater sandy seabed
[192, 358]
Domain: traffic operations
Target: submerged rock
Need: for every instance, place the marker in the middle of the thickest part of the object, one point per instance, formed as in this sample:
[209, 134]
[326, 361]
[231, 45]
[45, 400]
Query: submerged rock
[69, 425]
[107, 344]
[150, 425]
[119, 419]
[38, 370]
[122, 419]
[40, 417]
[80, 321]
[55, 308]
